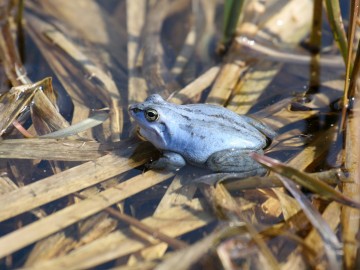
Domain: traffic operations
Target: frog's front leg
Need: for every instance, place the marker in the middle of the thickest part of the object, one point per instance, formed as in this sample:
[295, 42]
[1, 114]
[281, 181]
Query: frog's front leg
[168, 161]
[235, 160]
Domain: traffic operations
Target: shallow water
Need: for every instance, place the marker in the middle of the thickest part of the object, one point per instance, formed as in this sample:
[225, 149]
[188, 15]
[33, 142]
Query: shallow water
[77, 89]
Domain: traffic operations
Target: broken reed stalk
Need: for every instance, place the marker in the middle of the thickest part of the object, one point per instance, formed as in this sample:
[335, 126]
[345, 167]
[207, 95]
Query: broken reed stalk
[173, 242]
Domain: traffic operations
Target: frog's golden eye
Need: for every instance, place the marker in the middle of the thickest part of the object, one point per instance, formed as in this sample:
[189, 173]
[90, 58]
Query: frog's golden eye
[151, 115]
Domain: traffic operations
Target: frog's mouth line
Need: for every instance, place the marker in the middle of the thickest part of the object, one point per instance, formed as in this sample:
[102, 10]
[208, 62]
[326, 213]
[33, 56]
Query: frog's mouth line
[139, 134]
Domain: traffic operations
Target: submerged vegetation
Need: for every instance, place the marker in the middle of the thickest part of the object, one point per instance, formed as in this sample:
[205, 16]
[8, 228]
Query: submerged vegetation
[74, 191]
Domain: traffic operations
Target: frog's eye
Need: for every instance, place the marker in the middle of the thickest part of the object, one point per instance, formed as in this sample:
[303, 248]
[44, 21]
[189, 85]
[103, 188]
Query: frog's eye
[151, 115]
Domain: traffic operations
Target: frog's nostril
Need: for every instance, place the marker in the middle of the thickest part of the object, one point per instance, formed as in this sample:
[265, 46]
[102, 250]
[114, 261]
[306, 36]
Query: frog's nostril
[134, 109]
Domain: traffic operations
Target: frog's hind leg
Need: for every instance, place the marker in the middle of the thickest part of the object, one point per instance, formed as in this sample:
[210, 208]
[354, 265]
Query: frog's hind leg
[263, 128]
[235, 160]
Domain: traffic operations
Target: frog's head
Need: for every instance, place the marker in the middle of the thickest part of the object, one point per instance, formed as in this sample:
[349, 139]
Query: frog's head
[150, 118]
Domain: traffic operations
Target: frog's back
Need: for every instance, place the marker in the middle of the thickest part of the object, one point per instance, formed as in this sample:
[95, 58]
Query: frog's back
[225, 118]
[206, 129]
[207, 116]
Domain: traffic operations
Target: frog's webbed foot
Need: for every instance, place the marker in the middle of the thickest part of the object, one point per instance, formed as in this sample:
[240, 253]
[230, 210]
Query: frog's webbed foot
[169, 161]
[235, 160]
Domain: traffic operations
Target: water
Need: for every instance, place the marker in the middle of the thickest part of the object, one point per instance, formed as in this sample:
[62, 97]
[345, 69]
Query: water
[79, 92]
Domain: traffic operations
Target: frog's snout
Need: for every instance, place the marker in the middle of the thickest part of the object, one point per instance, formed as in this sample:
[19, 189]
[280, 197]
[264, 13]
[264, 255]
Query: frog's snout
[131, 111]
[130, 108]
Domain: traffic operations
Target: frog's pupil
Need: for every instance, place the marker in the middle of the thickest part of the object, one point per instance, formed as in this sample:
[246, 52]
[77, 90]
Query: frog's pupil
[151, 115]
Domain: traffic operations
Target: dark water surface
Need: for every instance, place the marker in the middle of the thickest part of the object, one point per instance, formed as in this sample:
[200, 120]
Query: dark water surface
[291, 82]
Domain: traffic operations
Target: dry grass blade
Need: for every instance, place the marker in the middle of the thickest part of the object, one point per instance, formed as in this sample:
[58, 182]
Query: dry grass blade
[176, 194]
[188, 217]
[68, 74]
[8, 52]
[295, 18]
[354, 74]
[174, 243]
[62, 241]
[69, 181]
[83, 202]
[288, 204]
[331, 177]
[273, 54]
[7, 185]
[104, 80]
[95, 37]
[22, 130]
[157, 76]
[13, 104]
[331, 243]
[96, 27]
[89, 67]
[187, 257]
[306, 180]
[72, 214]
[350, 218]
[189, 44]
[45, 116]
[93, 121]
[52, 149]
[135, 15]
[314, 152]
[315, 46]
[226, 207]
[41, 97]
[226, 80]
[313, 246]
[316, 30]
[196, 87]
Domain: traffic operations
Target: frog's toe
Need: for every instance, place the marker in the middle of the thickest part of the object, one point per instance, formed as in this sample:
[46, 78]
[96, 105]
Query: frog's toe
[235, 160]
[170, 161]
